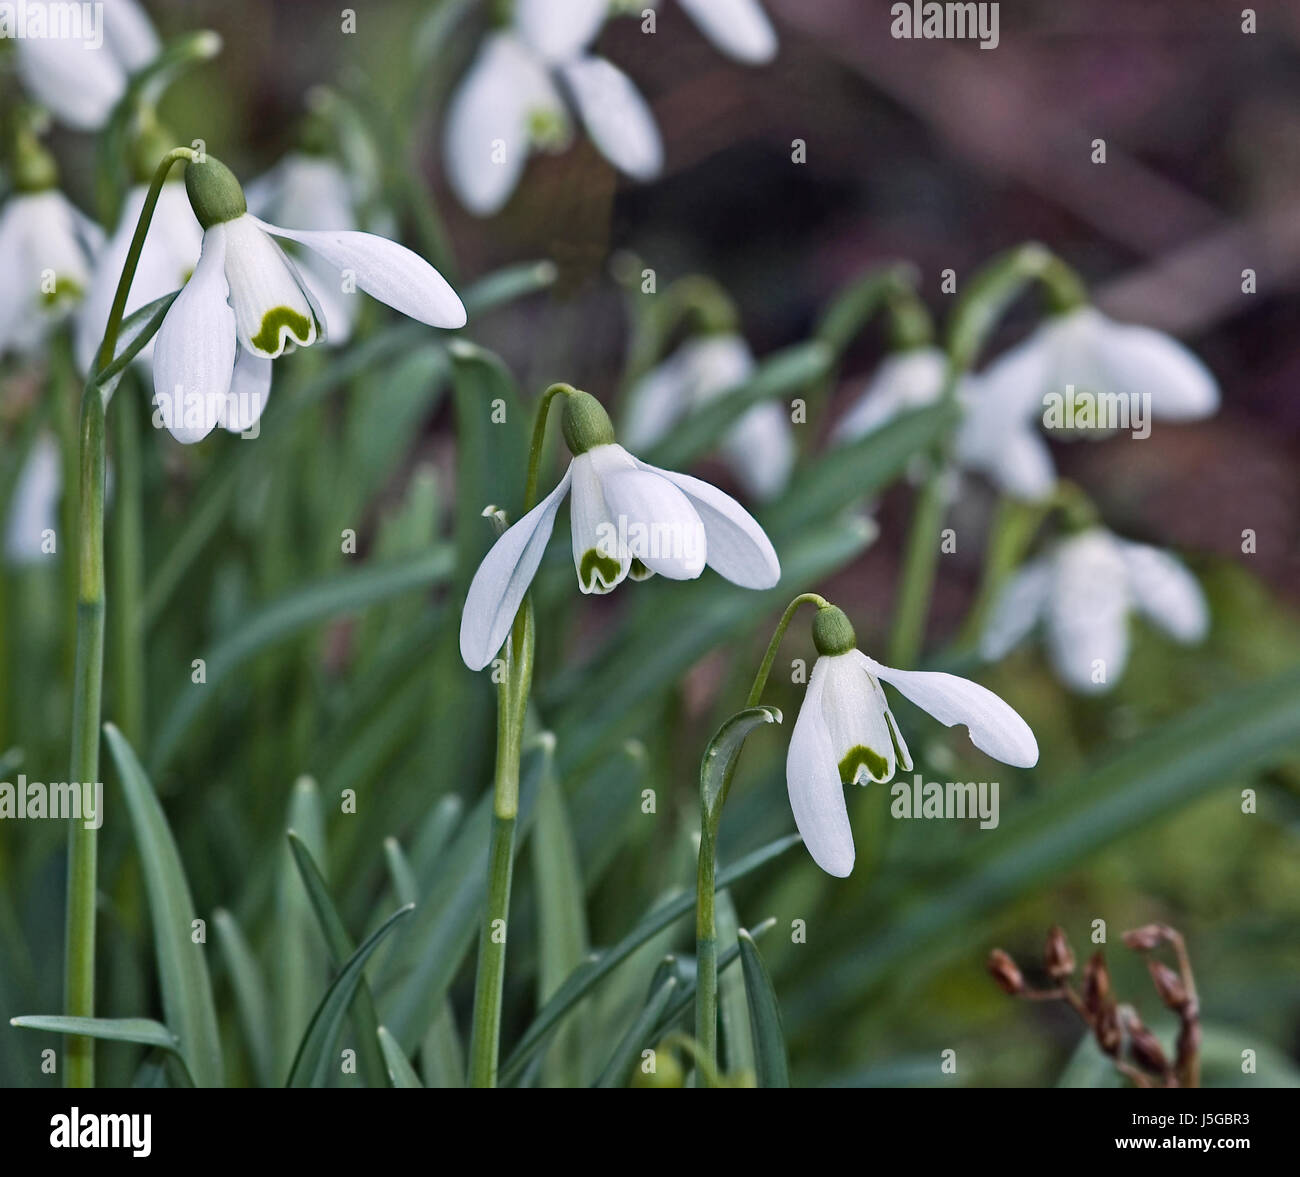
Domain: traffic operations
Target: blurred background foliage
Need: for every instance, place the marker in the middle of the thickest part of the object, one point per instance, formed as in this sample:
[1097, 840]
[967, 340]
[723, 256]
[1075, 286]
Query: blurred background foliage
[344, 668]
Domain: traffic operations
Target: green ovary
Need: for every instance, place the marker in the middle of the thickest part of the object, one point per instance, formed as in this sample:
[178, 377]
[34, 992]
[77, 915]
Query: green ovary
[268, 338]
[65, 290]
[857, 757]
[597, 567]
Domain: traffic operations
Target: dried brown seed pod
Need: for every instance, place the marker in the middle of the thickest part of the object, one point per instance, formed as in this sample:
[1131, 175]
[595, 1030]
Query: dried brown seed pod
[1058, 957]
[1005, 972]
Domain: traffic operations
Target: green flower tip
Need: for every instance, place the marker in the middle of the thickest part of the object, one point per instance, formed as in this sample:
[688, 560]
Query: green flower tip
[585, 423]
[215, 194]
[833, 632]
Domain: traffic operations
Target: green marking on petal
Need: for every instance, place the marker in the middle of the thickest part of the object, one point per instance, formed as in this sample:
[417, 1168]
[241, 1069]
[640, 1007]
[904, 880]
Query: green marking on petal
[900, 751]
[639, 571]
[597, 567]
[65, 290]
[274, 321]
[859, 757]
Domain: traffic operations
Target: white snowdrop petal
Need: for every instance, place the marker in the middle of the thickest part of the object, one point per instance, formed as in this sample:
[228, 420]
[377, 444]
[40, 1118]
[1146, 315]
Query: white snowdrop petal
[995, 727]
[617, 118]
[760, 450]
[194, 352]
[655, 403]
[1024, 469]
[738, 548]
[663, 529]
[1165, 591]
[600, 563]
[129, 34]
[855, 718]
[1087, 612]
[739, 28]
[905, 380]
[34, 506]
[502, 580]
[813, 781]
[1018, 608]
[272, 311]
[1143, 362]
[78, 85]
[250, 386]
[559, 30]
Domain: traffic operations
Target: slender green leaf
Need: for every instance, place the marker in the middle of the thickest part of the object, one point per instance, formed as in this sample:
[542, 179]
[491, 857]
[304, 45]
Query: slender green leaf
[182, 965]
[400, 1071]
[251, 998]
[733, 1004]
[771, 1065]
[721, 754]
[638, 1033]
[312, 1065]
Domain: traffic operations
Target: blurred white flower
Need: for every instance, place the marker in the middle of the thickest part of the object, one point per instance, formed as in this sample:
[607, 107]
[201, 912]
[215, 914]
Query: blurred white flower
[168, 258]
[906, 380]
[738, 28]
[1083, 591]
[846, 734]
[247, 304]
[46, 244]
[34, 508]
[509, 102]
[627, 518]
[759, 447]
[313, 191]
[79, 79]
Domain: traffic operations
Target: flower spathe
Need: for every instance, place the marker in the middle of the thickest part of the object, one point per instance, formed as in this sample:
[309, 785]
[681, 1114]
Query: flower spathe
[759, 447]
[1083, 592]
[846, 734]
[628, 519]
[247, 304]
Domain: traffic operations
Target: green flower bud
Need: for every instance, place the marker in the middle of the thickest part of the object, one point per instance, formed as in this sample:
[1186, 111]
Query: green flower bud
[585, 423]
[833, 632]
[215, 194]
[34, 167]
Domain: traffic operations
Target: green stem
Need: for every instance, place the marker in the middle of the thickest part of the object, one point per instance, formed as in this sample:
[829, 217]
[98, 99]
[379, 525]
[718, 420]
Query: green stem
[706, 927]
[919, 565]
[127, 645]
[88, 673]
[538, 440]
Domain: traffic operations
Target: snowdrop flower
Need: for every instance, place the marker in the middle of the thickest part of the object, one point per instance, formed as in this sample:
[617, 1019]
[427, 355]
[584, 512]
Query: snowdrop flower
[759, 447]
[1084, 350]
[247, 304]
[170, 253]
[1082, 592]
[35, 505]
[313, 191]
[628, 519]
[846, 733]
[906, 380]
[46, 244]
[510, 102]
[738, 28]
[79, 79]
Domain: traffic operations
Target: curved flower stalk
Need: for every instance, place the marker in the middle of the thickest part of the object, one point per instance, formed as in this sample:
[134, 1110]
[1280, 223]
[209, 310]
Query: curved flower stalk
[846, 734]
[510, 102]
[1083, 592]
[248, 304]
[759, 448]
[312, 190]
[47, 244]
[628, 519]
[81, 78]
[167, 259]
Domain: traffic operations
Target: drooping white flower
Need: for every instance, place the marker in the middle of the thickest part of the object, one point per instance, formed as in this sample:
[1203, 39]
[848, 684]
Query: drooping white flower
[628, 519]
[906, 380]
[168, 258]
[1083, 592]
[510, 102]
[34, 508]
[759, 447]
[247, 304]
[738, 28]
[46, 244]
[314, 192]
[80, 68]
[1078, 352]
[846, 734]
